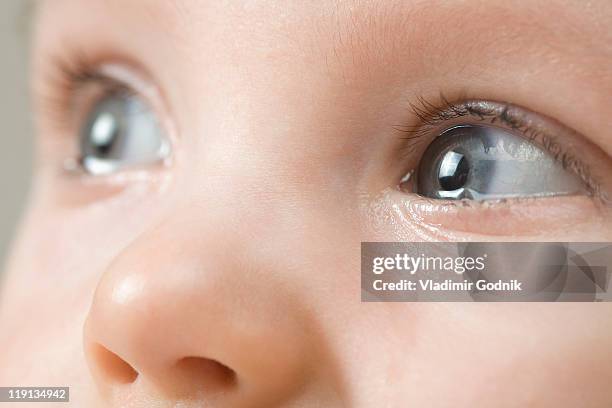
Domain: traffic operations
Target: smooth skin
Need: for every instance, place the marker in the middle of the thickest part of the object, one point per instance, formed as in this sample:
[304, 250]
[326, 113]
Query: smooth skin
[229, 277]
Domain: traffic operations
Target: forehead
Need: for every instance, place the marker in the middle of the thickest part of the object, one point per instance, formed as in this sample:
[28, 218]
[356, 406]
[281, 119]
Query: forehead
[362, 30]
[370, 17]
[367, 43]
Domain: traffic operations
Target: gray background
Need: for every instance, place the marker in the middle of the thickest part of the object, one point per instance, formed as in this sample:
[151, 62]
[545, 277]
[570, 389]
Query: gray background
[16, 130]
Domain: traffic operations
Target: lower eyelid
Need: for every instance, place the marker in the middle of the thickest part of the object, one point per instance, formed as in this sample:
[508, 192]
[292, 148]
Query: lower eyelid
[440, 219]
[77, 189]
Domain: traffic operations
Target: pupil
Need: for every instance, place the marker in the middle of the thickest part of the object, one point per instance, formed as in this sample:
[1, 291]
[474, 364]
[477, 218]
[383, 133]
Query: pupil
[454, 171]
[103, 134]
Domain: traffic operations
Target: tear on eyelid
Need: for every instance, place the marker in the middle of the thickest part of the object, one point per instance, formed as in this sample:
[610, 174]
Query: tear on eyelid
[409, 217]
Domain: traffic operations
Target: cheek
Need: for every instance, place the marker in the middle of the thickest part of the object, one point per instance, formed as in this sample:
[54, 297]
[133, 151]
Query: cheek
[57, 260]
[472, 354]
[44, 301]
[64, 251]
[521, 347]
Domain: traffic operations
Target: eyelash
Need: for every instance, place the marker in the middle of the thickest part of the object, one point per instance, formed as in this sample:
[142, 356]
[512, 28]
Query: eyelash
[435, 115]
[68, 77]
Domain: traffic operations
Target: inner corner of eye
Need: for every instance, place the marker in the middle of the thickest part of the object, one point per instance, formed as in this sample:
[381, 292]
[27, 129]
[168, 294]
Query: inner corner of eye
[477, 162]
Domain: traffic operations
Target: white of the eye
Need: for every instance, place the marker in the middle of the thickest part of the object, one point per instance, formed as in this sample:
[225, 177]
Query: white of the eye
[146, 142]
[104, 129]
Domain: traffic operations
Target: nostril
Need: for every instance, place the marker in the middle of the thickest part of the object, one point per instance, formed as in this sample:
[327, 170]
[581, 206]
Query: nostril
[114, 367]
[210, 374]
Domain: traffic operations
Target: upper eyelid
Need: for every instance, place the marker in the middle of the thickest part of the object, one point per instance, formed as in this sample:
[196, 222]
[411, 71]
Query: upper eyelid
[113, 77]
[70, 75]
[75, 67]
[431, 115]
[68, 98]
[98, 78]
[107, 85]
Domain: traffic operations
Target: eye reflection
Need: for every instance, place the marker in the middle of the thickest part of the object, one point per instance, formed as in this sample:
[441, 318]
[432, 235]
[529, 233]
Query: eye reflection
[454, 170]
[486, 162]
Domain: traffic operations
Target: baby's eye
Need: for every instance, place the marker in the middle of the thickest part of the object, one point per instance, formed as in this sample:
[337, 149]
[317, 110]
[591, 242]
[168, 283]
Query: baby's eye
[484, 162]
[121, 131]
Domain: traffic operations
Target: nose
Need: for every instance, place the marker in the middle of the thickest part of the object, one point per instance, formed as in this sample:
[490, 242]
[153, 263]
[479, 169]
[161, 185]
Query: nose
[190, 321]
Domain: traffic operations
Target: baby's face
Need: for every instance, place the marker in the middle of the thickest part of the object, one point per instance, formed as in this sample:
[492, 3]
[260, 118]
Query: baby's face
[207, 170]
